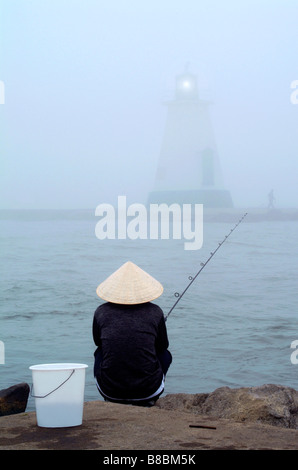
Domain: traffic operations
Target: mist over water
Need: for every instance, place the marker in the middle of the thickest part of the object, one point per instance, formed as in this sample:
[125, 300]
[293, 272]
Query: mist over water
[85, 87]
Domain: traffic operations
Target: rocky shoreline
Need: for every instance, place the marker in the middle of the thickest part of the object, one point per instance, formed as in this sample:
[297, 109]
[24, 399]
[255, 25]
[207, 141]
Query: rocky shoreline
[246, 418]
[271, 404]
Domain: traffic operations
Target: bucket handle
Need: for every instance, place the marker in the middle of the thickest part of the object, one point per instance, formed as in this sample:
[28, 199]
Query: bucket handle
[36, 396]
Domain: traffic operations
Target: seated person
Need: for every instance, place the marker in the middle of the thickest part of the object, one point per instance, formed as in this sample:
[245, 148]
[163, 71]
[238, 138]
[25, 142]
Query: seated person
[132, 357]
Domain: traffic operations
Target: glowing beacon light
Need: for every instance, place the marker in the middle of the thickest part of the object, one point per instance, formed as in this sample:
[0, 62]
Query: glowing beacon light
[186, 87]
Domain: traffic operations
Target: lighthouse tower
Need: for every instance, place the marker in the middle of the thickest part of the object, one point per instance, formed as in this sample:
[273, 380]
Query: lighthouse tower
[189, 168]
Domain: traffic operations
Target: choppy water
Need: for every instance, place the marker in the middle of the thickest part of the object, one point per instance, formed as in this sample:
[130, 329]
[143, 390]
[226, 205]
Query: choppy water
[233, 327]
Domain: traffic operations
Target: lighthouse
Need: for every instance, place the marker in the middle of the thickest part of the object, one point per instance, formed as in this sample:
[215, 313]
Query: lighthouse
[189, 168]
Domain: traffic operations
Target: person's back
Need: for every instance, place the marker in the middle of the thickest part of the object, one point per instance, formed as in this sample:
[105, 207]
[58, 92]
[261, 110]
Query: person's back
[129, 337]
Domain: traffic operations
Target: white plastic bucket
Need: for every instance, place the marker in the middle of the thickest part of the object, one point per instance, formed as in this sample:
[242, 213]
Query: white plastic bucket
[58, 390]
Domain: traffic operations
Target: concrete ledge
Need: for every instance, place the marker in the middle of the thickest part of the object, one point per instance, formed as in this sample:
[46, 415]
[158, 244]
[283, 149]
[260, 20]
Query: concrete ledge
[109, 426]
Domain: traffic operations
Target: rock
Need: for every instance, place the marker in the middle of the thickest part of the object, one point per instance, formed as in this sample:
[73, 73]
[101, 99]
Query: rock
[14, 399]
[276, 405]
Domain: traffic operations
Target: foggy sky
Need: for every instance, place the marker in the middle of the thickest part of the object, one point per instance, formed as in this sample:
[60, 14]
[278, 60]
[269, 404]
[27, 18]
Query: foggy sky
[85, 81]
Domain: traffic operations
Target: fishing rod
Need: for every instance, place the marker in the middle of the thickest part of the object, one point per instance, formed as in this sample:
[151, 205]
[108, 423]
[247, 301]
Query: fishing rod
[192, 279]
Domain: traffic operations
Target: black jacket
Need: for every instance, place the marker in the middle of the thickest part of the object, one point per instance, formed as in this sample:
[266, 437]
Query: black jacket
[129, 338]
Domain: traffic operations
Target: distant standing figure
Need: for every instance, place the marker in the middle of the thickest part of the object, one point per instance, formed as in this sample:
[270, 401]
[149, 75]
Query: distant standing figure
[132, 357]
[271, 200]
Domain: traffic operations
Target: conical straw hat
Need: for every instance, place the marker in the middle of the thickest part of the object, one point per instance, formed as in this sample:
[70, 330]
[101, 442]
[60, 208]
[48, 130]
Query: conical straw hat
[129, 285]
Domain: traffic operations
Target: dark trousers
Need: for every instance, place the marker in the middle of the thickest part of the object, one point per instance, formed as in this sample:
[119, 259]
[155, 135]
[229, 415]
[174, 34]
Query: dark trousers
[165, 359]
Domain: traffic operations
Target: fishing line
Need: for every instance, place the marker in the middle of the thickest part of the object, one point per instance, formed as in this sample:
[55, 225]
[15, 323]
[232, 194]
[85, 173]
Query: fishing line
[192, 279]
